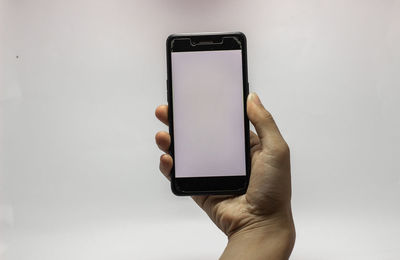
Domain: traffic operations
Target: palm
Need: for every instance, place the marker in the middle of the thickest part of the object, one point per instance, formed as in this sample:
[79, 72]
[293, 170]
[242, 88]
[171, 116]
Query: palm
[263, 196]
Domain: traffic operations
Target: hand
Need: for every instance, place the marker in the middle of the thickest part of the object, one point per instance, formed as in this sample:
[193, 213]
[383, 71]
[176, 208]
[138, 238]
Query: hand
[262, 217]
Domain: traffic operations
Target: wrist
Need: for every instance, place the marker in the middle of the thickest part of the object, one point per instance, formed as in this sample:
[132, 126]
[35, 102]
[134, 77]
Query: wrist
[271, 237]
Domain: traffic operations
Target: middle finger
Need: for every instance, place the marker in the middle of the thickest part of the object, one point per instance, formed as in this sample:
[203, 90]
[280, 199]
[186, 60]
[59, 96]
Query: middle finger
[163, 141]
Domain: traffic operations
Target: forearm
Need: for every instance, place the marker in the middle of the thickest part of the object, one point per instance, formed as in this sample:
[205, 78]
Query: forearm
[272, 240]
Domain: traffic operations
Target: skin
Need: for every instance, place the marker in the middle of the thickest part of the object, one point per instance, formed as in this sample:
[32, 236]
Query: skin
[258, 224]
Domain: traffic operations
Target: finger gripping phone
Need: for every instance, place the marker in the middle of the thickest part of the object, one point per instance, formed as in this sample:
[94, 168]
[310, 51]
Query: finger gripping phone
[207, 88]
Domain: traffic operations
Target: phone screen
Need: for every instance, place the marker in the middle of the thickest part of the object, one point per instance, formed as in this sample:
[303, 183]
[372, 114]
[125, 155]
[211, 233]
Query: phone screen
[208, 114]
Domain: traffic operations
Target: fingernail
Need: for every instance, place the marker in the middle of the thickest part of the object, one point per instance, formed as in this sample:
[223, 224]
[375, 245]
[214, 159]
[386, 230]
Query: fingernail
[253, 97]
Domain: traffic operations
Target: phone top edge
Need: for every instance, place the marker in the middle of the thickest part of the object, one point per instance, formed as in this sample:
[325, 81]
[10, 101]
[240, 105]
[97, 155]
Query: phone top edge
[238, 36]
[175, 35]
[206, 33]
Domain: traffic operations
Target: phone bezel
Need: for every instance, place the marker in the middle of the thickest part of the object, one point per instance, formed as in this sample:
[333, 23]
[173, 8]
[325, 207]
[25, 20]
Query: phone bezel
[234, 185]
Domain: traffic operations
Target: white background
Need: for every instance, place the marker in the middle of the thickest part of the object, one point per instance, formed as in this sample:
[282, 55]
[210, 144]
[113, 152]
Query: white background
[79, 168]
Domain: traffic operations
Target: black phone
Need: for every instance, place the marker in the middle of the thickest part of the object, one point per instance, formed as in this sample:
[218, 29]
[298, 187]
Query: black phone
[207, 88]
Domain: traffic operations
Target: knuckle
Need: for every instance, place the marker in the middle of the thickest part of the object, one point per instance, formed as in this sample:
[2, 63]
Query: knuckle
[280, 150]
[283, 150]
[267, 115]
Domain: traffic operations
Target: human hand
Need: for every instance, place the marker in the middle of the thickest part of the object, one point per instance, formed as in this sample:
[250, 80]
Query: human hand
[258, 223]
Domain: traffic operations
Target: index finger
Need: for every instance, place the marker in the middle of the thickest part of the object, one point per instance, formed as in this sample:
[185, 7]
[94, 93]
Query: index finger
[162, 113]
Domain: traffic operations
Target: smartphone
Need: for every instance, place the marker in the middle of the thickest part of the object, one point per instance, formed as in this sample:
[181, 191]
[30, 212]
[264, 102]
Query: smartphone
[207, 88]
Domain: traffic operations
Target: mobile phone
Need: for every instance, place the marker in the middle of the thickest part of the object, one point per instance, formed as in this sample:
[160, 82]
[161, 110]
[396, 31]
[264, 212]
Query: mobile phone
[207, 88]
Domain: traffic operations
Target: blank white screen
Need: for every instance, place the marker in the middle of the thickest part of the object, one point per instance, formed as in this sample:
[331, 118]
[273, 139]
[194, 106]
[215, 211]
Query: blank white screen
[207, 92]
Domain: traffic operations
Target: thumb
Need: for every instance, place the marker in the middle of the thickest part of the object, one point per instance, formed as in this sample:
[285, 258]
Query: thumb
[262, 120]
